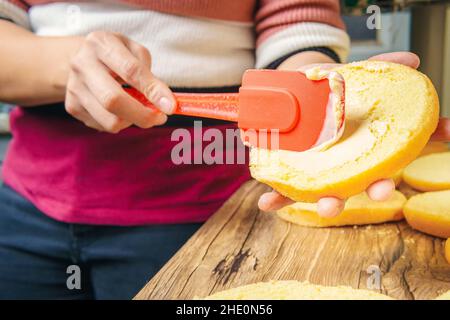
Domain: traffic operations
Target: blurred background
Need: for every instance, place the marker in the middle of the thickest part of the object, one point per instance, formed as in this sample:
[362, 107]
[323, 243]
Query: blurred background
[420, 26]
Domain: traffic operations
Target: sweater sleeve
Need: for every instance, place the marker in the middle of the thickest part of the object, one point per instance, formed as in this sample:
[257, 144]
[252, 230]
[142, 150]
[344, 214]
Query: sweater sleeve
[15, 11]
[288, 26]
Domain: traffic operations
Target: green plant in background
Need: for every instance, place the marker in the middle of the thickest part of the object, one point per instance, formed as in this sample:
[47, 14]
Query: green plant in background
[358, 3]
[357, 6]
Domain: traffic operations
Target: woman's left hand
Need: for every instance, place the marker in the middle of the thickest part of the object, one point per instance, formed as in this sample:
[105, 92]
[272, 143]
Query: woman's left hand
[380, 190]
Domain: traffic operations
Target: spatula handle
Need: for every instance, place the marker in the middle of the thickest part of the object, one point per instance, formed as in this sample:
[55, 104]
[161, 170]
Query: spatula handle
[222, 106]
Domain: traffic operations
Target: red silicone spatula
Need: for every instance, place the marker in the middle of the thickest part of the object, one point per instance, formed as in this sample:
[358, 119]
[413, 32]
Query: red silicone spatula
[269, 102]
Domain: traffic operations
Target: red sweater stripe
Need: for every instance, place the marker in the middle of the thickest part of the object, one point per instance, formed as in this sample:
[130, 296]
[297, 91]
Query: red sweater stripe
[269, 16]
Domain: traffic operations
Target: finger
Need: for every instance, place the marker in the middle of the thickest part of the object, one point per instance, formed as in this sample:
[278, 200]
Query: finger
[272, 201]
[329, 207]
[136, 73]
[74, 108]
[322, 66]
[138, 50]
[109, 122]
[406, 58]
[115, 100]
[442, 132]
[381, 190]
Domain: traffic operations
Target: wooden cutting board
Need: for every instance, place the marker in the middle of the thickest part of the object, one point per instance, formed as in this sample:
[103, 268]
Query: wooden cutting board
[240, 245]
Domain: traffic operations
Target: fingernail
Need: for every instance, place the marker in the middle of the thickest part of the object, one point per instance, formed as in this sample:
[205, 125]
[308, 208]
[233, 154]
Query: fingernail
[166, 105]
[263, 203]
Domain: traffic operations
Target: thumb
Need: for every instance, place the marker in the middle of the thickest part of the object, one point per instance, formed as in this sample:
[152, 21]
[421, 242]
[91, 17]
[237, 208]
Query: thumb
[406, 58]
[158, 93]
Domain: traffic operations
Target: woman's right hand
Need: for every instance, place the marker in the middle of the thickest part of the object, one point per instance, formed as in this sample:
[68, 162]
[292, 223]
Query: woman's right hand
[95, 96]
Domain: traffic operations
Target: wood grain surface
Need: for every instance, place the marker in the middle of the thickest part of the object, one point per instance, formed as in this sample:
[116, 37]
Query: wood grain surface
[240, 245]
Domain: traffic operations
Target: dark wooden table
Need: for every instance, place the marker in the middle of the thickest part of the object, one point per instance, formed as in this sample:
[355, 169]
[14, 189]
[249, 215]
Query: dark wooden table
[240, 245]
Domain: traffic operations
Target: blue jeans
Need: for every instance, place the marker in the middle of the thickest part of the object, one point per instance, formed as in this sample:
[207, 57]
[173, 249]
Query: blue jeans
[41, 258]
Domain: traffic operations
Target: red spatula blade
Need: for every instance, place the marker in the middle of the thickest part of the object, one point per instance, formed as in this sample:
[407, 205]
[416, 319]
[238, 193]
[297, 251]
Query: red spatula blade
[304, 105]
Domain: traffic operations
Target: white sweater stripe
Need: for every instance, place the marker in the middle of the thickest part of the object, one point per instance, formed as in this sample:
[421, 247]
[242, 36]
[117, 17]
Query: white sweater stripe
[186, 51]
[302, 35]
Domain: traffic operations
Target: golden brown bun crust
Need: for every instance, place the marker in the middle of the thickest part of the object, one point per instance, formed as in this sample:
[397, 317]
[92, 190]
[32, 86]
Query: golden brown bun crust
[429, 212]
[429, 173]
[359, 210]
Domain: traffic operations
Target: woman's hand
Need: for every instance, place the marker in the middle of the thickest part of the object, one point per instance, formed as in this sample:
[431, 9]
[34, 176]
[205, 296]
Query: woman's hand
[95, 96]
[380, 190]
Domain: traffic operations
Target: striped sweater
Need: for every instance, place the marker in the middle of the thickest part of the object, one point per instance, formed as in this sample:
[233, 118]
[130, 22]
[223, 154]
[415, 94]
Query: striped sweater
[75, 174]
[228, 36]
